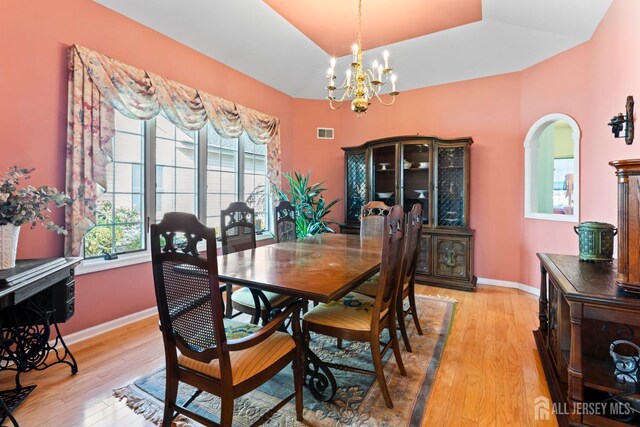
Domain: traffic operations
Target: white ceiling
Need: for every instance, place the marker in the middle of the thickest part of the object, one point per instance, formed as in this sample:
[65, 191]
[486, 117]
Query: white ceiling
[252, 38]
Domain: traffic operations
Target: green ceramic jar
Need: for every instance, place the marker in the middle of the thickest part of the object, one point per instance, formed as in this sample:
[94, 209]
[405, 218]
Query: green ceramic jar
[595, 241]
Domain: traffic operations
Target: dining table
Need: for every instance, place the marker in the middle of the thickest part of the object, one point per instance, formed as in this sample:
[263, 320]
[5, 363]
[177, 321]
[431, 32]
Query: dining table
[319, 268]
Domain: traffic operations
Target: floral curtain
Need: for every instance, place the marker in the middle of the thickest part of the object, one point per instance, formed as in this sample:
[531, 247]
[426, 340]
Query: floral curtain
[99, 85]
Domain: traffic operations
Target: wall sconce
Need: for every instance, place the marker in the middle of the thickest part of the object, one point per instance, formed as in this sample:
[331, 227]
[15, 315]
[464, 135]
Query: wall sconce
[624, 123]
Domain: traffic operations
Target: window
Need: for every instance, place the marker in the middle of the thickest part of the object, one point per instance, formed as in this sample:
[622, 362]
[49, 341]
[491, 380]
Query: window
[176, 169]
[158, 168]
[121, 210]
[256, 184]
[222, 175]
[552, 169]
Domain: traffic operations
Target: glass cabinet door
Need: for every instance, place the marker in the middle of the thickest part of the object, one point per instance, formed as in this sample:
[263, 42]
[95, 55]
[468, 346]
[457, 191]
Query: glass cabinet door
[416, 180]
[356, 185]
[384, 174]
[451, 187]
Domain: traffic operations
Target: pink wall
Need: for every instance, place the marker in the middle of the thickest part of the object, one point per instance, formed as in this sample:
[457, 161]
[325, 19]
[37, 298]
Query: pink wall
[34, 37]
[487, 109]
[589, 83]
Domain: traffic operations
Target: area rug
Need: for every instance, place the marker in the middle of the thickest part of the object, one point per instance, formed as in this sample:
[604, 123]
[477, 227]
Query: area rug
[358, 401]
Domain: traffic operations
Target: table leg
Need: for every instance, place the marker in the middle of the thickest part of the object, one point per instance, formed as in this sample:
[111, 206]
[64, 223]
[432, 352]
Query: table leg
[319, 378]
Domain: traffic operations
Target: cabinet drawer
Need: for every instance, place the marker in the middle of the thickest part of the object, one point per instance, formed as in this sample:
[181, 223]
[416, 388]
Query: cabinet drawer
[424, 257]
[452, 257]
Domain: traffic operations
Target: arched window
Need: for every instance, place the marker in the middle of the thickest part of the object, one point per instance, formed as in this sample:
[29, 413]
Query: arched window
[552, 165]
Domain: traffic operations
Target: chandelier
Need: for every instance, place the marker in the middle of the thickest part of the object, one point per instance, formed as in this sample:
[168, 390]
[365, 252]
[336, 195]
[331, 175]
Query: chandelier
[361, 84]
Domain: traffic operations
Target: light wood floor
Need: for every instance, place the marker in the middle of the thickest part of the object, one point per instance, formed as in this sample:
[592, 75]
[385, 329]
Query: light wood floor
[489, 376]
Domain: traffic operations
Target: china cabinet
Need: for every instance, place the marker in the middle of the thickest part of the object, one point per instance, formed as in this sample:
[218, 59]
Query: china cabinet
[419, 169]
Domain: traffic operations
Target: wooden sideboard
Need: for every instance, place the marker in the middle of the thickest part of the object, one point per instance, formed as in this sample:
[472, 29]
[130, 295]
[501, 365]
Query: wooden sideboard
[582, 311]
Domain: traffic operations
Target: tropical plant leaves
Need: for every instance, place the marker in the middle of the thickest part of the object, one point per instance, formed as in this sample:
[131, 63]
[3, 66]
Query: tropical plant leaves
[311, 207]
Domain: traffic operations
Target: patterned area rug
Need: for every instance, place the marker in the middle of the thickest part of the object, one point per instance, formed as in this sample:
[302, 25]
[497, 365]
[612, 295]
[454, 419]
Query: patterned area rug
[358, 401]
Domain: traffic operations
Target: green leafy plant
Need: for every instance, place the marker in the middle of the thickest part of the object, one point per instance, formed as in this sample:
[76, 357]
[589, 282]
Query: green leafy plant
[28, 205]
[125, 234]
[311, 208]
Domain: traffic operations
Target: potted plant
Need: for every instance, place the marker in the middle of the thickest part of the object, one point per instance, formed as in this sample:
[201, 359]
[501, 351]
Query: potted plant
[28, 205]
[311, 208]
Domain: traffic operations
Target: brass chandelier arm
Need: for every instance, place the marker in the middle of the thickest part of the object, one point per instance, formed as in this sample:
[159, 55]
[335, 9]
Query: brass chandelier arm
[393, 99]
[335, 106]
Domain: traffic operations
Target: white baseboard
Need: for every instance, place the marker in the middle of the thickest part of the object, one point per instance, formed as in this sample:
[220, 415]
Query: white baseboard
[506, 284]
[134, 317]
[108, 326]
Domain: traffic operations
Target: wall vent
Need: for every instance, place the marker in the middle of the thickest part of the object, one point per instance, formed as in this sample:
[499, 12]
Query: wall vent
[325, 133]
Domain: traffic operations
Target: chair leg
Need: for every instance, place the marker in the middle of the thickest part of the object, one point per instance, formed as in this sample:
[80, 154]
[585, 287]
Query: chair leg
[396, 347]
[171, 394]
[229, 308]
[403, 328]
[264, 316]
[379, 368]
[255, 317]
[226, 412]
[414, 312]
[298, 376]
[339, 343]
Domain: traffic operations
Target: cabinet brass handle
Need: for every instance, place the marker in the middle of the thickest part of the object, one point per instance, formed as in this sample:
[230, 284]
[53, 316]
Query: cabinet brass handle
[451, 258]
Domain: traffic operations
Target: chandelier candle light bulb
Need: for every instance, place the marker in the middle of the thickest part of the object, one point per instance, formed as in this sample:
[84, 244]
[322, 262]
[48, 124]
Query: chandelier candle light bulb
[367, 83]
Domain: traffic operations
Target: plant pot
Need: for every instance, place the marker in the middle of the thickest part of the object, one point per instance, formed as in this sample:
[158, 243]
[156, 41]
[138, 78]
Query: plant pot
[8, 245]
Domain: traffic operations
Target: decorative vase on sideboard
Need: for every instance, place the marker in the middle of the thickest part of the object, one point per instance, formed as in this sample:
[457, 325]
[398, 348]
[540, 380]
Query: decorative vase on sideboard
[8, 245]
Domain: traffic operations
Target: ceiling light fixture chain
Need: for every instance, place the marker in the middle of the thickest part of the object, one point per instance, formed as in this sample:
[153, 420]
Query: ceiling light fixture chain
[366, 84]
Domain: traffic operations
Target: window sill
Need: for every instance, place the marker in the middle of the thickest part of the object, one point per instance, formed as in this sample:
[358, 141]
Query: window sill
[95, 265]
[552, 217]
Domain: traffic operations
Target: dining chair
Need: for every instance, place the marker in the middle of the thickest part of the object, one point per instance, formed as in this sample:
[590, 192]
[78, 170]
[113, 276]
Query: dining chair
[238, 232]
[358, 317]
[371, 225]
[221, 356]
[407, 289]
[372, 218]
[285, 219]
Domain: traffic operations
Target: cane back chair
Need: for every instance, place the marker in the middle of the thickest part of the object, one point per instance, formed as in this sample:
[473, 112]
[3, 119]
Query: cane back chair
[238, 232]
[372, 219]
[221, 356]
[362, 318]
[285, 222]
[407, 289]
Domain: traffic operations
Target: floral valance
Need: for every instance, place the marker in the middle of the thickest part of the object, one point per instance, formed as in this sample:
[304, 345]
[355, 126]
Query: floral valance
[99, 85]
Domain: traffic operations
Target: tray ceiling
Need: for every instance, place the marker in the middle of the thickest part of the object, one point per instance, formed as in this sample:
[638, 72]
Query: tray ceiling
[286, 44]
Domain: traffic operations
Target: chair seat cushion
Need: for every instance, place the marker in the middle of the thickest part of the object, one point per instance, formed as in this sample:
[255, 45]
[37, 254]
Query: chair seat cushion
[234, 330]
[245, 363]
[370, 287]
[244, 297]
[352, 312]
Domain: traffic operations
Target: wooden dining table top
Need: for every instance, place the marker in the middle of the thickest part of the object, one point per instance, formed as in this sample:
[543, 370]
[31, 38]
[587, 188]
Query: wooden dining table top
[319, 268]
